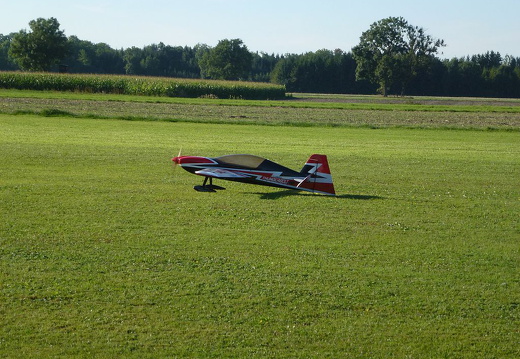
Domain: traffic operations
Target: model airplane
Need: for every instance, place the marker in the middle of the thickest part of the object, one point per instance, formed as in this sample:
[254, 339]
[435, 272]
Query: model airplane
[314, 176]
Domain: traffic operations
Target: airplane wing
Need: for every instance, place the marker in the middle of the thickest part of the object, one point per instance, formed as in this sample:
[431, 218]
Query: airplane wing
[220, 173]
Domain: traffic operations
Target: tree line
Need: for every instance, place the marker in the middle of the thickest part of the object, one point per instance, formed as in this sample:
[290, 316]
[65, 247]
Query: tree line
[393, 58]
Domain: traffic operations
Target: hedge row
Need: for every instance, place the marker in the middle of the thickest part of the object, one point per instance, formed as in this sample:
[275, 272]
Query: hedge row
[146, 86]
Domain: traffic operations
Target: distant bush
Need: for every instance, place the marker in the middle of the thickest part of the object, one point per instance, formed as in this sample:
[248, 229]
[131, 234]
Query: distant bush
[145, 86]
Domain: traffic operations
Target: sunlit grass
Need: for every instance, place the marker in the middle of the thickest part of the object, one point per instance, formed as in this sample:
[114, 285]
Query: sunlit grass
[106, 251]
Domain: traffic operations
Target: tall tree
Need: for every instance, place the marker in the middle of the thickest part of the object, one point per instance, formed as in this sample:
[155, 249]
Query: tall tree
[133, 64]
[229, 60]
[391, 51]
[41, 48]
[5, 62]
[262, 66]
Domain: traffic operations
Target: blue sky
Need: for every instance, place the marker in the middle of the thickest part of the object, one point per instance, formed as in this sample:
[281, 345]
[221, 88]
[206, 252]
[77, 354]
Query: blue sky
[468, 27]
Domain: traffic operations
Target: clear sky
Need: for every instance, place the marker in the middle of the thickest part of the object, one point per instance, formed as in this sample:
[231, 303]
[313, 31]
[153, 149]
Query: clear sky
[468, 27]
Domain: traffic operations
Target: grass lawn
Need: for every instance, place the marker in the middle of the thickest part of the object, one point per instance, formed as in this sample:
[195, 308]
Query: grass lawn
[303, 110]
[105, 251]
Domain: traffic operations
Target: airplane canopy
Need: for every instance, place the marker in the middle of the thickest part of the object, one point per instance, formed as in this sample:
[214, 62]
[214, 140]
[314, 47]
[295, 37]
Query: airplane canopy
[247, 161]
[255, 163]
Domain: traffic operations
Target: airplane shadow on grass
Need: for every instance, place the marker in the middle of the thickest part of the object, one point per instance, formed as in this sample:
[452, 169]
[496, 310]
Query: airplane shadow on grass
[289, 193]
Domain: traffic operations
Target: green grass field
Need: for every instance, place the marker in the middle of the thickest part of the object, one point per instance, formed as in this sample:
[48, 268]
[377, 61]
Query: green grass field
[106, 251]
[302, 110]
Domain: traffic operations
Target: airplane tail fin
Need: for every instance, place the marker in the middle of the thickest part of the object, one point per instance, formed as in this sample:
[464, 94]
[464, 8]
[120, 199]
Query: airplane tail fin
[318, 178]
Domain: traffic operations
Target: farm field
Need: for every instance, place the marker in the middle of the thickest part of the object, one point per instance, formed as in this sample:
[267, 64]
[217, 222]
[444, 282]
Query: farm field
[107, 251]
[139, 85]
[301, 110]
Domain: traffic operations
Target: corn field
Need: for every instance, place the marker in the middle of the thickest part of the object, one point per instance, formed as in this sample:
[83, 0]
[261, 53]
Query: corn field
[145, 86]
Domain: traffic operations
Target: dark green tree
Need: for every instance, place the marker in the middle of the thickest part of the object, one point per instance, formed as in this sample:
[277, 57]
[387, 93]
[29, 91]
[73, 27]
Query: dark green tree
[282, 72]
[108, 60]
[488, 60]
[41, 48]
[163, 60]
[229, 60]
[391, 52]
[5, 61]
[262, 66]
[133, 57]
[323, 71]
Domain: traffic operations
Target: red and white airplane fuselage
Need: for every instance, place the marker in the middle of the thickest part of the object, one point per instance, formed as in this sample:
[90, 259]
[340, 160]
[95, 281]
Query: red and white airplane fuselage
[314, 176]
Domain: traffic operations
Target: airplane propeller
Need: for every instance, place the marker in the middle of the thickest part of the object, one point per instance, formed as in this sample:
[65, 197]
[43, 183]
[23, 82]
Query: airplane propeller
[175, 163]
[178, 155]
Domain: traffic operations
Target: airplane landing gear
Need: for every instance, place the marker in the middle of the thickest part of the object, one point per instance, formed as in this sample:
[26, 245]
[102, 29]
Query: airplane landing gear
[208, 187]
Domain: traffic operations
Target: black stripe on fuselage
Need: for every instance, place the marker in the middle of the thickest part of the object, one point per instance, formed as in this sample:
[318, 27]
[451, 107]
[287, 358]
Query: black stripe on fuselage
[266, 165]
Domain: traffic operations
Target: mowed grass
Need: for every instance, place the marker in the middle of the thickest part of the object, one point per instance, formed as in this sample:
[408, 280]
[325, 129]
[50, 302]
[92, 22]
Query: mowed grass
[106, 251]
[301, 110]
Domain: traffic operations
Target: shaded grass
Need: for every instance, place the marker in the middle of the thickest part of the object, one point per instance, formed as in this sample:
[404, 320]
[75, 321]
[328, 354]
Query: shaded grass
[105, 251]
